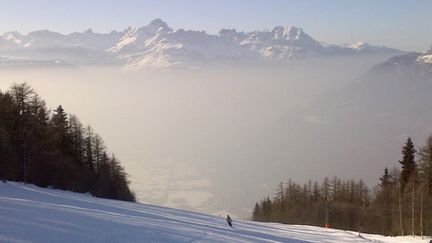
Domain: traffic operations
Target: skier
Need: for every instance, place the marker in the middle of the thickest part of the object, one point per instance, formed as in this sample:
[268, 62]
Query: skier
[229, 220]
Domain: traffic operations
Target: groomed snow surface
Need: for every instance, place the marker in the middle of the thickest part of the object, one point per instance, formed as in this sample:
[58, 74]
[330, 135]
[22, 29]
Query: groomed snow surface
[32, 214]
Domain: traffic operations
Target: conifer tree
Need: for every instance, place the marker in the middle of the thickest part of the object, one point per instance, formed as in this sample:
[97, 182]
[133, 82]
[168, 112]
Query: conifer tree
[256, 212]
[60, 125]
[408, 163]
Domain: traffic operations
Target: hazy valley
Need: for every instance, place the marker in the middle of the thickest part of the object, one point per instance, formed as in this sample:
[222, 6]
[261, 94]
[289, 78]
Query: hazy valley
[194, 139]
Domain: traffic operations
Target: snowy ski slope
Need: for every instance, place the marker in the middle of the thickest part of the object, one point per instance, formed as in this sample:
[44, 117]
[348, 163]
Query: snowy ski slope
[32, 214]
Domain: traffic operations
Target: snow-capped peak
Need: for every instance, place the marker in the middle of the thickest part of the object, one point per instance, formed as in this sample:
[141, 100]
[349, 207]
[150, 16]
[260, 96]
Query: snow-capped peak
[287, 33]
[13, 36]
[135, 39]
[360, 44]
[425, 57]
[130, 31]
[366, 48]
[129, 37]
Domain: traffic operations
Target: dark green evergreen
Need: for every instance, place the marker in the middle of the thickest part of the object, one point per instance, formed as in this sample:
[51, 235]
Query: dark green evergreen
[408, 163]
[54, 149]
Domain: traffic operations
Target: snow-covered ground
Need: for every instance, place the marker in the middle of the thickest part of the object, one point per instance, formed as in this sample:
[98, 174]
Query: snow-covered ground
[32, 214]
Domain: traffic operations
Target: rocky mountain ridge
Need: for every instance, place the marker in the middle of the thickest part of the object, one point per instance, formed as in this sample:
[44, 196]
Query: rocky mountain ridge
[158, 46]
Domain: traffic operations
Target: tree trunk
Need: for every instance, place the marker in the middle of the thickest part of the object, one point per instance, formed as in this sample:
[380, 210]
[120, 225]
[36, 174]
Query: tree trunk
[326, 217]
[421, 216]
[412, 211]
[400, 212]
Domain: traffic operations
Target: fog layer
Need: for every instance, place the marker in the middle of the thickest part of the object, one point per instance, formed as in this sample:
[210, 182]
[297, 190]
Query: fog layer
[209, 140]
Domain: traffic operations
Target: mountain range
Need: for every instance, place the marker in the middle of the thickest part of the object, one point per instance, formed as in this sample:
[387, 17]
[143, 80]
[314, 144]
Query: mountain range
[394, 93]
[158, 46]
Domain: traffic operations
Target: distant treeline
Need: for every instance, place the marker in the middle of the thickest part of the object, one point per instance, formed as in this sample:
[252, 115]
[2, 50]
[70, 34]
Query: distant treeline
[400, 204]
[54, 149]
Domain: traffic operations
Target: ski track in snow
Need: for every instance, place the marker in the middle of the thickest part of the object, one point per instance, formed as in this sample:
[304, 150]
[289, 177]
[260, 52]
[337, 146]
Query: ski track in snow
[32, 214]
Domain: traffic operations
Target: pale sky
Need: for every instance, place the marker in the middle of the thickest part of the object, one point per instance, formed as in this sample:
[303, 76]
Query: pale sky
[403, 24]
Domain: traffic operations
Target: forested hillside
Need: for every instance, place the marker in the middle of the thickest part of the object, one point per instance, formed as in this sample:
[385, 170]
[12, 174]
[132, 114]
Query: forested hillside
[400, 204]
[54, 149]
